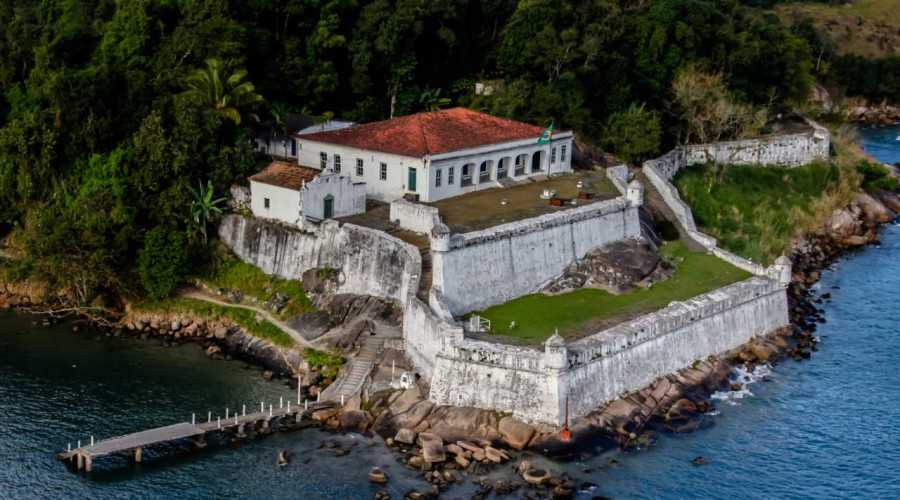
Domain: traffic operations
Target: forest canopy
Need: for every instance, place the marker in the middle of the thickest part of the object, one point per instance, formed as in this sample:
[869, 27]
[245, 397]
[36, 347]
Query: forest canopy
[110, 115]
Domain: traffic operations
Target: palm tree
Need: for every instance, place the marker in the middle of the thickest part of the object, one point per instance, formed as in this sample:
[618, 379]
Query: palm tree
[210, 88]
[204, 209]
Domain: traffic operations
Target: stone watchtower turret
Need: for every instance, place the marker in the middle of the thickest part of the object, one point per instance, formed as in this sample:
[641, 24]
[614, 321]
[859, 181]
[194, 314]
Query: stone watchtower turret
[635, 193]
[556, 354]
[440, 237]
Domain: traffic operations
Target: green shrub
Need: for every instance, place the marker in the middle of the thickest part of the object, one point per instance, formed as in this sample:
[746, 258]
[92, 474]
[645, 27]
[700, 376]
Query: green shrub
[327, 363]
[876, 176]
[634, 134]
[163, 261]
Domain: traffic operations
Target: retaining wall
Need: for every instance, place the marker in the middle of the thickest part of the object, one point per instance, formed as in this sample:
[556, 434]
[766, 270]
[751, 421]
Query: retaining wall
[534, 386]
[489, 267]
[414, 216]
[370, 262]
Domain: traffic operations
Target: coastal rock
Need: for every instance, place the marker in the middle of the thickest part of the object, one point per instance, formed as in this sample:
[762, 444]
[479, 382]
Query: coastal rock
[616, 267]
[354, 420]
[536, 477]
[515, 433]
[220, 332]
[377, 476]
[453, 423]
[874, 211]
[405, 436]
[890, 200]
[432, 448]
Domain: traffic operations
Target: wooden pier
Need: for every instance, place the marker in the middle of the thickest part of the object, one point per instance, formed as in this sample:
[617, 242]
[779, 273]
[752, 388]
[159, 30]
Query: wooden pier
[268, 419]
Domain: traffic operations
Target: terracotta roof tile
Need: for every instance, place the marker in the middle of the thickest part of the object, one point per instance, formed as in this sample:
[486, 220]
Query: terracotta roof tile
[286, 175]
[432, 133]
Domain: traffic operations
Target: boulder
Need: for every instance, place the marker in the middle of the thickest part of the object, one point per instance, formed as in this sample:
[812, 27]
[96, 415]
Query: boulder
[890, 199]
[377, 476]
[683, 408]
[616, 267]
[841, 224]
[874, 211]
[462, 461]
[405, 436]
[515, 433]
[495, 455]
[536, 477]
[432, 448]
[324, 414]
[354, 420]
[454, 423]
[220, 332]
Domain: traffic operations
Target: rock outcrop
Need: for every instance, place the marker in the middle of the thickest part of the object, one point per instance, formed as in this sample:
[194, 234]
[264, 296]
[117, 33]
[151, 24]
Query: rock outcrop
[617, 267]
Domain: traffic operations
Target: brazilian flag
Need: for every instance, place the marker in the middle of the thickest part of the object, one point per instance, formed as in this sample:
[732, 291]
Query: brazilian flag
[547, 135]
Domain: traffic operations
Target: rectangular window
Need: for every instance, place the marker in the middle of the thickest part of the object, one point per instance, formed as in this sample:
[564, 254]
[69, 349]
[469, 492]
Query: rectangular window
[266, 203]
[359, 167]
[562, 153]
[293, 147]
[450, 175]
[382, 174]
[323, 160]
[337, 163]
[552, 155]
[437, 178]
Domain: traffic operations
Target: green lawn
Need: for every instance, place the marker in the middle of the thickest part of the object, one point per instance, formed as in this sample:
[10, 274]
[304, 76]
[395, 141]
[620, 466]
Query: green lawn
[588, 310]
[227, 271]
[757, 211]
[242, 317]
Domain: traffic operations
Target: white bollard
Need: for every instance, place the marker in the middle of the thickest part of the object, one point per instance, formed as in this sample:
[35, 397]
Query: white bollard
[262, 407]
[92, 440]
[298, 388]
[318, 397]
[219, 422]
[342, 400]
[289, 406]
[68, 446]
[226, 413]
[305, 404]
[79, 443]
[280, 402]
[270, 410]
[235, 419]
[208, 417]
[193, 419]
[244, 411]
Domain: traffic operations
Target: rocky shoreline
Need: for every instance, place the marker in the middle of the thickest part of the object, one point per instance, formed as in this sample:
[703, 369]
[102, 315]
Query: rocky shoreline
[449, 444]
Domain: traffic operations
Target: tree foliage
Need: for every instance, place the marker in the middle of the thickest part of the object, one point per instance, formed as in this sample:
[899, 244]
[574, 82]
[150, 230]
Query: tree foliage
[111, 112]
[634, 134]
[163, 261]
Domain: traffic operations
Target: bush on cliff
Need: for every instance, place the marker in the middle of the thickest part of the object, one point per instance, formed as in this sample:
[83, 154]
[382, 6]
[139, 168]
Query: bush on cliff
[634, 134]
[163, 261]
[876, 176]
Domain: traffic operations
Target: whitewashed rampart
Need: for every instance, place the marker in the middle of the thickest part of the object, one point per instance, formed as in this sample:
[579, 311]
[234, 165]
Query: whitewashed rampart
[482, 268]
[370, 262]
[414, 217]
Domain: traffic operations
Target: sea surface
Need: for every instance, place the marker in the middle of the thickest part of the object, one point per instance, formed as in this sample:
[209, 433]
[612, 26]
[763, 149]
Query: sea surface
[828, 427]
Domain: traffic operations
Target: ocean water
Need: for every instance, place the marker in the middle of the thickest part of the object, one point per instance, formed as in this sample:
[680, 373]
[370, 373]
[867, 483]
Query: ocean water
[824, 428]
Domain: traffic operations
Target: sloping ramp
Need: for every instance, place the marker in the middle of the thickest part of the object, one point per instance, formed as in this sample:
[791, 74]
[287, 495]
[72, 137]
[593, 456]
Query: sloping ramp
[141, 439]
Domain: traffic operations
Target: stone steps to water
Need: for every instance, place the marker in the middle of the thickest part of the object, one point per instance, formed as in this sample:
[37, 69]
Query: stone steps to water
[350, 383]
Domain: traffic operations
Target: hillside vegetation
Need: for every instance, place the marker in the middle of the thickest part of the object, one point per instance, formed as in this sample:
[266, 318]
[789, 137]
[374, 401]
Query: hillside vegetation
[869, 28]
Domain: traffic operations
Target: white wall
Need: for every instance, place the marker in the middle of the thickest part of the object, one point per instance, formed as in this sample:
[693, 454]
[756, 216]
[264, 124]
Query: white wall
[284, 204]
[493, 266]
[370, 262]
[278, 147]
[533, 386]
[385, 190]
[414, 216]
[349, 196]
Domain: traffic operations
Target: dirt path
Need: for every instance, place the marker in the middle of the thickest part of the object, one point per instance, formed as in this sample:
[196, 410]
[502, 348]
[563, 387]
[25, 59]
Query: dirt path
[197, 295]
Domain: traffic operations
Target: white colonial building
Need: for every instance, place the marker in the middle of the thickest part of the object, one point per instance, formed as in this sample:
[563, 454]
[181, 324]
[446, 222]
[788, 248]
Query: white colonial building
[294, 194]
[436, 155]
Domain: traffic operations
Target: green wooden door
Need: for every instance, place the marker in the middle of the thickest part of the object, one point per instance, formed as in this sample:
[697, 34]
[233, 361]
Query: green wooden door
[329, 207]
[411, 183]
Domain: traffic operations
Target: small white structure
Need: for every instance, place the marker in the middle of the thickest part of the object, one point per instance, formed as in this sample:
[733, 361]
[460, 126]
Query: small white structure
[294, 194]
[437, 155]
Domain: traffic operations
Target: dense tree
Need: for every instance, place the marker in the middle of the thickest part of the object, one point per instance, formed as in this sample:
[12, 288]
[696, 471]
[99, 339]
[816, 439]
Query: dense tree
[634, 134]
[163, 261]
[216, 91]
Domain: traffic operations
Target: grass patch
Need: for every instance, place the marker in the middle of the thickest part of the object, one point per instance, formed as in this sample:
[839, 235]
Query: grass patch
[538, 315]
[757, 212]
[246, 319]
[227, 271]
[327, 363]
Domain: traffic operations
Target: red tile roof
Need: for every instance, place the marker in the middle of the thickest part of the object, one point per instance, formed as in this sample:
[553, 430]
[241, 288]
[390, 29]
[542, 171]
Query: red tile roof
[286, 175]
[430, 133]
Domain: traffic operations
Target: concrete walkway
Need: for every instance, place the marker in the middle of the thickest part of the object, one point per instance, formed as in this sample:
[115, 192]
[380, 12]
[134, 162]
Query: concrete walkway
[351, 381]
[198, 295]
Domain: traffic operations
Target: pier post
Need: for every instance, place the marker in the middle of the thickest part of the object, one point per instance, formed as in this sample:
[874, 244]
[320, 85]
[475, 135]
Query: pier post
[244, 411]
[79, 443]
[193, 419]
[262, 407]
[226, 413]
[87, 463]
[68, 447]
[208, 417]
[270, 410]
[298, 388]
[219, 422]
[79, 461]
[92, 440]
[235, 419]
[342, 400]
[280, 402]
[138, 455]
[305, 404]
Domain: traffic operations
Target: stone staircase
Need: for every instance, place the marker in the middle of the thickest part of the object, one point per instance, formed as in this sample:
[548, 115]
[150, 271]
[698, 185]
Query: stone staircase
[351, 381]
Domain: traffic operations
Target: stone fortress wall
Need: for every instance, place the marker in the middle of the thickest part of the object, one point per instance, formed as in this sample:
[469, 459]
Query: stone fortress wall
[534, 384]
